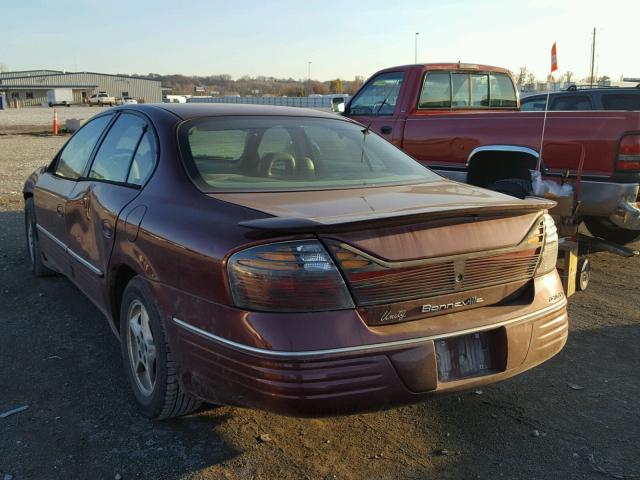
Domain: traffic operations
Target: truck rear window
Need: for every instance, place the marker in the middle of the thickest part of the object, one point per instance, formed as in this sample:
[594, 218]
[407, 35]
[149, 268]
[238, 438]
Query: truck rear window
[467, 90]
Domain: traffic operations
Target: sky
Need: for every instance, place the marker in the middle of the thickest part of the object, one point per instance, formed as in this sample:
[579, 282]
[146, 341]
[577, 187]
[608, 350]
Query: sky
[341, 39]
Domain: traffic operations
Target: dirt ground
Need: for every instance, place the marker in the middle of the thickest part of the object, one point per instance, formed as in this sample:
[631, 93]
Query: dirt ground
[574, 417]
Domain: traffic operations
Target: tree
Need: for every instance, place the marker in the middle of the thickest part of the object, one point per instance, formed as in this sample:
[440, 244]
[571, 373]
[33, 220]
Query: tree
[603, 80]
[568, 76]
[335, 86]
[319, 88]
[356, 84]
[531, 78]
[521, 79]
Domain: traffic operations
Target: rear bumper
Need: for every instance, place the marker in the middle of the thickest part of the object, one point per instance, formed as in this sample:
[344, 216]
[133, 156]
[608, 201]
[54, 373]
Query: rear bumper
[357, 378]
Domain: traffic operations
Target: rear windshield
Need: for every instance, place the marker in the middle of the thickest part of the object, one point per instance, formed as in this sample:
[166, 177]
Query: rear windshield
[291, 153]
[444, 89]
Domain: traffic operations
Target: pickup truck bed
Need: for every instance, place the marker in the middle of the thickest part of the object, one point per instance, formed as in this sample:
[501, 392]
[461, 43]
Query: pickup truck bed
[480, 145]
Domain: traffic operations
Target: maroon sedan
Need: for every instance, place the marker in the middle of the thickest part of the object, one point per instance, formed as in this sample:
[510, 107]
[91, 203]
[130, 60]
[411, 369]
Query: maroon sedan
[292, 261]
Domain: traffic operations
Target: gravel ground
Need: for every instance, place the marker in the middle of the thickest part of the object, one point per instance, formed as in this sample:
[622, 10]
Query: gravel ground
[574, 417]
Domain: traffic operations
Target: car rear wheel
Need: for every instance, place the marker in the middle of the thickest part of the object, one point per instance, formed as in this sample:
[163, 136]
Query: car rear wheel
[605, 228]
[148, 361]
[34, 254]
[516, 187]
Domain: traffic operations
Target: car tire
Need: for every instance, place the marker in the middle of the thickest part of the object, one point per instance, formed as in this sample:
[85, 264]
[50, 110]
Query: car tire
[34, 254]
[605, 228]
[515, 187]
[148, 361]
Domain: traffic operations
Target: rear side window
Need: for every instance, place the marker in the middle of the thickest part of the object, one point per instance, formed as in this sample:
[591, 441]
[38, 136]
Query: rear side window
[571, 103]
[379, 96]
[116, 152]
[503, 94]
[143, 161]
[76, 153]
[621, 101]
[436, 91]
[467, 90]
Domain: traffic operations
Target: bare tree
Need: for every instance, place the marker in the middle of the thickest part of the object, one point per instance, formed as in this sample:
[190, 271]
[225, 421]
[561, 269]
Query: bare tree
[521, 78]
[531, 78]
[568, 76]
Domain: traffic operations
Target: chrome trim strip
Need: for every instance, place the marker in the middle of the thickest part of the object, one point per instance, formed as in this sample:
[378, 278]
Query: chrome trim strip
[359, 348]
[88, 265]
[51, 237]
[64, 246]
[502, 148]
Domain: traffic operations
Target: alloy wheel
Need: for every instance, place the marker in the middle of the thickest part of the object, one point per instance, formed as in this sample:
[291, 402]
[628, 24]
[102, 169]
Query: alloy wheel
[141, 347]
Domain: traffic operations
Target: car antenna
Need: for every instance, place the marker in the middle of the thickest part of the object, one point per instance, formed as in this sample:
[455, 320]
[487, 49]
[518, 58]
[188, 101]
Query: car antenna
[365, 131]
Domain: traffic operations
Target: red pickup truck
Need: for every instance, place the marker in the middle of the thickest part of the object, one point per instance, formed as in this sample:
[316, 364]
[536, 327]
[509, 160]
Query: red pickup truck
[464, 121]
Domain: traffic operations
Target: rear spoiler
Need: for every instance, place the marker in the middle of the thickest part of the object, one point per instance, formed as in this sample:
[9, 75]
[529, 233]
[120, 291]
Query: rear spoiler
[274, 225]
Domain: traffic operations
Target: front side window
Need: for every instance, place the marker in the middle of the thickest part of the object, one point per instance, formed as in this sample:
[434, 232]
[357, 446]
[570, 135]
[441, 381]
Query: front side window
[114, 157]
[444, 89]
[571, 103]
[293, 153]
[379, 96]
[75, 155]
[533, 104]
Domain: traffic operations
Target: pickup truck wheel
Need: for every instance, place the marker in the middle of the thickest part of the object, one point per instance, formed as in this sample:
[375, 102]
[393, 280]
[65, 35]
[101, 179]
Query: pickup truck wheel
[148, 360]
[516, 187]
[584, 274]
[605, 228]
[34, 254]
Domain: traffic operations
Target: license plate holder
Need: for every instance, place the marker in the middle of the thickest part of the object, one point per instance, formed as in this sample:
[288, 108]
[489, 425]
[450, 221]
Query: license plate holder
[472, 355]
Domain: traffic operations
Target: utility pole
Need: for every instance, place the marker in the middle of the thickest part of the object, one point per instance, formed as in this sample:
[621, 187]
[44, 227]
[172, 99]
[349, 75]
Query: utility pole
[308, 79]
[415, 56]
[593, 53]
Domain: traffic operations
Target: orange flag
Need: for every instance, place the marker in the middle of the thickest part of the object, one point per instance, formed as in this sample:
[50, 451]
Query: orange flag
[554, 58]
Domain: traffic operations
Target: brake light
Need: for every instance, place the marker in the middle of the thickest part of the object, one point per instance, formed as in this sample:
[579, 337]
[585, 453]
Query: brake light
[296, 276]
[629, 153]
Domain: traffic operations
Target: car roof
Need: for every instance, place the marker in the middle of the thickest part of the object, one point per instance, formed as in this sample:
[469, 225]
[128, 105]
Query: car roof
[193, 110]
[588, 91]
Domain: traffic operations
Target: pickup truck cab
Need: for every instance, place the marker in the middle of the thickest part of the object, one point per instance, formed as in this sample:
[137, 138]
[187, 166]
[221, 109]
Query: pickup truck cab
[464, 121]
[575, 98]
[101, 98]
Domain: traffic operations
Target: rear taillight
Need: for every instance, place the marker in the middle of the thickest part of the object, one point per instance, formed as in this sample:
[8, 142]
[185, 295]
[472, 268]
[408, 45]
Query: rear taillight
[629, 153]
[296, 276]
[549, 256]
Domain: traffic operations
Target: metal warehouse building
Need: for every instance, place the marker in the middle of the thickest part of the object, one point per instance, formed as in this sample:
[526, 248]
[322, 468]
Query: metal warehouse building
[31, 87]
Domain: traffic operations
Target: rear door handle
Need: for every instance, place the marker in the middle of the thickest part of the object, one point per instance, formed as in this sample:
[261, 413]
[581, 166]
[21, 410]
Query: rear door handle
[386, 130]
[60, 211]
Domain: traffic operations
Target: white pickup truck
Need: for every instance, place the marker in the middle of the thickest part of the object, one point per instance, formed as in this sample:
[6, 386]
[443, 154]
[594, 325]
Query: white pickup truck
[101, 98]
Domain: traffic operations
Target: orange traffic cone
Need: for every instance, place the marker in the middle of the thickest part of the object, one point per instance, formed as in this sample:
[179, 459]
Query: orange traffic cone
[55, 122]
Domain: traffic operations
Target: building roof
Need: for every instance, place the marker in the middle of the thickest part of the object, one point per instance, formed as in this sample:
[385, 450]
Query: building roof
[29, 86]
[29, 73]
[54, 73]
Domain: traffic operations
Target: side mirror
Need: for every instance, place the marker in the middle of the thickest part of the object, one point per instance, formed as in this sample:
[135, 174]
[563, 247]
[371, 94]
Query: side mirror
[337, 105]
